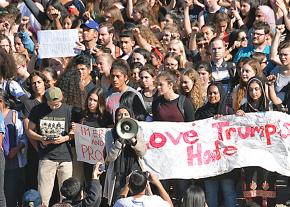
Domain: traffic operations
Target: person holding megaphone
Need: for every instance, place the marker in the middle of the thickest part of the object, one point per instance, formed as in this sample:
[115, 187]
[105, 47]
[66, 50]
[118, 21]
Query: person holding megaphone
[125, 149]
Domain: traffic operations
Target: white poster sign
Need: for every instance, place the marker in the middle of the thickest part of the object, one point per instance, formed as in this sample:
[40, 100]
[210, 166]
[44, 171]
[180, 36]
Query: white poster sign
[90, 143]
[57, 43]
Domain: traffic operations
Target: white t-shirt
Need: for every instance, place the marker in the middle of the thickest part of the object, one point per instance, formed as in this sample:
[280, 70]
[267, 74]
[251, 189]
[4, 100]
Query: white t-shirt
[143, 201]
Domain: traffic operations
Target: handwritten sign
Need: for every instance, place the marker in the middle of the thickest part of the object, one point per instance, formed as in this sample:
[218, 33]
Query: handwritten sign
[57, 43]
[90, 143]
[212, 147]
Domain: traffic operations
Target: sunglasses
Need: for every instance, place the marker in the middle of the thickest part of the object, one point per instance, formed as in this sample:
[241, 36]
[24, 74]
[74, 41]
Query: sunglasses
[242, 39]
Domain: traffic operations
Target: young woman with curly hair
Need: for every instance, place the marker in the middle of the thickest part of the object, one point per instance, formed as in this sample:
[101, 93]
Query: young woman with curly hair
[191, 87]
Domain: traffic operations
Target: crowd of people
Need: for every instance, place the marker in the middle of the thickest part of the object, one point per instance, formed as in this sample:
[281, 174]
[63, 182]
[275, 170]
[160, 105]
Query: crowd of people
[150, 60]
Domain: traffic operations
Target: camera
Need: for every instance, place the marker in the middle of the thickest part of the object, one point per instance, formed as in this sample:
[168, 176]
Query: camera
[103, 167]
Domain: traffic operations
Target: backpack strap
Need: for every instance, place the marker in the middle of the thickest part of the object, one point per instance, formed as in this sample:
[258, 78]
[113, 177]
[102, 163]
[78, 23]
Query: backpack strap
[7, 88]
[180, 104]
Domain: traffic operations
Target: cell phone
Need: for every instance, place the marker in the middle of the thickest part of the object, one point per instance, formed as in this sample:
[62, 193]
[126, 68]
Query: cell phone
[49, 138]
[103, 167]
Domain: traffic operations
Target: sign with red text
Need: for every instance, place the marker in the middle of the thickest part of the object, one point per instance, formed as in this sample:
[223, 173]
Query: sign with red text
[204, 148]
[212, 147]
[90, 143]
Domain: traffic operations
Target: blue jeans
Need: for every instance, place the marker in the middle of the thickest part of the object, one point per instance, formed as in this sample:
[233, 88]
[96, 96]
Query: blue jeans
[228, 188]
[14, 186]
[2, 169]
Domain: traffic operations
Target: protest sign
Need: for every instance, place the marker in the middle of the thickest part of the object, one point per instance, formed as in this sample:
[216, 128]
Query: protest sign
[57, 43]
[90, 143]
[212, 147]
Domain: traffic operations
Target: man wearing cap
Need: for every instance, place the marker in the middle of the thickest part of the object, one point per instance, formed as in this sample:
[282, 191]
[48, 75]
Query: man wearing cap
[31, 198]
[49, 124]
[90, 36]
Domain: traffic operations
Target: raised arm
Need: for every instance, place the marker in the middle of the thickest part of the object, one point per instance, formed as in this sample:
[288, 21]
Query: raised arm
[275, 44]
[271, 89]
[281, 5]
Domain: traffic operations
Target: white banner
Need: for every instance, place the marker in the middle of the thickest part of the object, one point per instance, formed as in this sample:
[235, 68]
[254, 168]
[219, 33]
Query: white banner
[212, 147]
[57, 43]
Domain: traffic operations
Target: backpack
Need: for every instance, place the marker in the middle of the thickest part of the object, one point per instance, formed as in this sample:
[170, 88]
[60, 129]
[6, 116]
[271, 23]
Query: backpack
[13, 102]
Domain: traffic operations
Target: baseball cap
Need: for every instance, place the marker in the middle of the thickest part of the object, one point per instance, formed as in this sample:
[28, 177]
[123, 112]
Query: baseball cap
[53, 94]
[91, 24]
[31, 197]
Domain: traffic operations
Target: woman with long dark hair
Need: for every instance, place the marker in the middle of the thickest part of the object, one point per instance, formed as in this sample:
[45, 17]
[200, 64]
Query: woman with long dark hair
[216, 107]
[95, 115]
[259, 183]
[123, 156]
[194, 197]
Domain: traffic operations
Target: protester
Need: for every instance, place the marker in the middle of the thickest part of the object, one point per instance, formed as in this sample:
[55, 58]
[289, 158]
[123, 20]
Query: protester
[194, 197]
[32, 198]
[217, 107]
[123, 157]
[49, 124]
[259, 183]
[136, 184]
[156, 57]
[15, 159]
[72, 191]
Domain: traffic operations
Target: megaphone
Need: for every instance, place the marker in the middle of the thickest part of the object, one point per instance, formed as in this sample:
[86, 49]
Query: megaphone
[127, 128]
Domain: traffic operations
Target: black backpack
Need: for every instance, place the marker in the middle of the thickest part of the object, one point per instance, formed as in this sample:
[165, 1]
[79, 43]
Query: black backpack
[13, 102]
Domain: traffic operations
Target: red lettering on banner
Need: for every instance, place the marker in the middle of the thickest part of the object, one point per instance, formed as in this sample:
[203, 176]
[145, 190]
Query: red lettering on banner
[85, 131]
[284, 136]
[229, 131]
[157, 140]
[270, 129]
[97, 142]
[91, 154]
[191, 156]
[217, 149]
[97, 133]
[230, 150]
[190, 137]
[246, 134]
[258, 129]
[219, 126]
[174, 141]
[208, 157]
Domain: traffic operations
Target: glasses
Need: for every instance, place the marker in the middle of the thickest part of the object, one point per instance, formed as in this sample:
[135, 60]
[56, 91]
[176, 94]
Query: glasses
[202, 45]
[258, 34]
[242, 39]
[265, 62]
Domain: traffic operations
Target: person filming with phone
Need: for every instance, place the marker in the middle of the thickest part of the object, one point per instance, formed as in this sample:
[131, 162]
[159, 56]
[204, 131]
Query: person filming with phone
[49, 124]
[136, 184]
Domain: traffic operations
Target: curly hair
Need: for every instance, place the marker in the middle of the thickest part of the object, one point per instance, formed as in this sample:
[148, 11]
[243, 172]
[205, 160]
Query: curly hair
[196, 93]
[149, 36]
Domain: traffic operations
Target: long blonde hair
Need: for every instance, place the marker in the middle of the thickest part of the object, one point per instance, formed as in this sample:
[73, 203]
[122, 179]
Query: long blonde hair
[180, 45]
